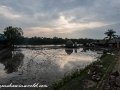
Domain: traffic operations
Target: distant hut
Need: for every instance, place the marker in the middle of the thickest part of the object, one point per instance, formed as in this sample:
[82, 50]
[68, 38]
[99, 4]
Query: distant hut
[69, 43]
[75, 44]
[114, 42]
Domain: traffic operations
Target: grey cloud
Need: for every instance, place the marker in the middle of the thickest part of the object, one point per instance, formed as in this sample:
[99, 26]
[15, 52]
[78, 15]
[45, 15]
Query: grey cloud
[101, 11]
[97, 33]
[43, 13]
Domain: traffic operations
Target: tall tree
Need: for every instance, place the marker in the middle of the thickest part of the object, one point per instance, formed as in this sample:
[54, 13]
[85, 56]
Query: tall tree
[110, 34]
[12, 33]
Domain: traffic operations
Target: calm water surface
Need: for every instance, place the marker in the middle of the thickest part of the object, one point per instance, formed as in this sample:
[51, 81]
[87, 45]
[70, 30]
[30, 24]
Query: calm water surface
[27, 66]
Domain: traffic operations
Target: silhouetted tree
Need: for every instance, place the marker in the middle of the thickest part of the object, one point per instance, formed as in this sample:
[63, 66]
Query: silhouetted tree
[110, 34]
[12, 33]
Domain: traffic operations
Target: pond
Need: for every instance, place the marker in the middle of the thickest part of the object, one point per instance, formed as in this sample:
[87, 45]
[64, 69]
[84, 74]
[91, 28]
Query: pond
[43, 66]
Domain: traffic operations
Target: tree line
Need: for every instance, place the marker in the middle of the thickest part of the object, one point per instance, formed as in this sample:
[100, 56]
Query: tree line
[46, 41]
[14, 35]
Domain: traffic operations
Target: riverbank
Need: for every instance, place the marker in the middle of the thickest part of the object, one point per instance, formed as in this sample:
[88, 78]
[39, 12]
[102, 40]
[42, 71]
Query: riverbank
[107, 86]
[82, 80]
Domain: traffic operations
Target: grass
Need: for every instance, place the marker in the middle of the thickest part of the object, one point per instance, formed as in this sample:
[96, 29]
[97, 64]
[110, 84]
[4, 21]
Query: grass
[102, 85]
[108, 67]
[76, 79]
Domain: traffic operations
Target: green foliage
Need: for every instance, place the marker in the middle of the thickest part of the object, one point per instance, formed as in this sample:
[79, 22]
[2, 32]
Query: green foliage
[103, 56]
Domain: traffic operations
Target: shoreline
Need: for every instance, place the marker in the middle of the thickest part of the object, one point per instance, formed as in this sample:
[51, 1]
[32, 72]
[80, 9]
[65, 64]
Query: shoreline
[116, 67]
[70, 84]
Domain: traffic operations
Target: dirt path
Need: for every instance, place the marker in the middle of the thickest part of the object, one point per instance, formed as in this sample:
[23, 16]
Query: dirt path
[116, 68]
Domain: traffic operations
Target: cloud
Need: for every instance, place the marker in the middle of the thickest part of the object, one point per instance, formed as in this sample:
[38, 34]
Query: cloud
[37, 31]
[61, 17]
[64, 26]
[5, 11]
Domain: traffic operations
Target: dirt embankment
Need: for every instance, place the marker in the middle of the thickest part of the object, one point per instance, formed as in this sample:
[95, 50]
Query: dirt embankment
[117, 68]
[114, 78]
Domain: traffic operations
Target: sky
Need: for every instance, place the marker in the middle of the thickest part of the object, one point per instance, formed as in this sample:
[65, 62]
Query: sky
[61, 18]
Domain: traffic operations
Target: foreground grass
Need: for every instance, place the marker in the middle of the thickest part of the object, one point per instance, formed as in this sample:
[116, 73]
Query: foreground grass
[102, 84]
[77, 79]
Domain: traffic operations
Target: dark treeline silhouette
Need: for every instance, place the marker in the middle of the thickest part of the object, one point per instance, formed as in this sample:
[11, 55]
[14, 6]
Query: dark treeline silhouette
[46, 41]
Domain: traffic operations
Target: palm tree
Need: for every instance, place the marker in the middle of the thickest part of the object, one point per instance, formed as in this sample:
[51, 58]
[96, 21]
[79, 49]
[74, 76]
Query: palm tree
[110, 34]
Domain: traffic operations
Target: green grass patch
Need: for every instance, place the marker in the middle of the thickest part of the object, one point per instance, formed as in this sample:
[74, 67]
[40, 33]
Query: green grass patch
[102, 85]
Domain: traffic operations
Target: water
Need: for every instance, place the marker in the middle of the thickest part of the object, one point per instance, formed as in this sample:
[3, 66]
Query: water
[43, 66]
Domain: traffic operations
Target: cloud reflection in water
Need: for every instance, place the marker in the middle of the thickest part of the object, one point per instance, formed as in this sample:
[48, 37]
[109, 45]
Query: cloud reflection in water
[46, 66]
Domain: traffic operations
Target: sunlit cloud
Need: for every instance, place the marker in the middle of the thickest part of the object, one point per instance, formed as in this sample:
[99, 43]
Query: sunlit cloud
[5, 11]
[36, 31]
[64, 26]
